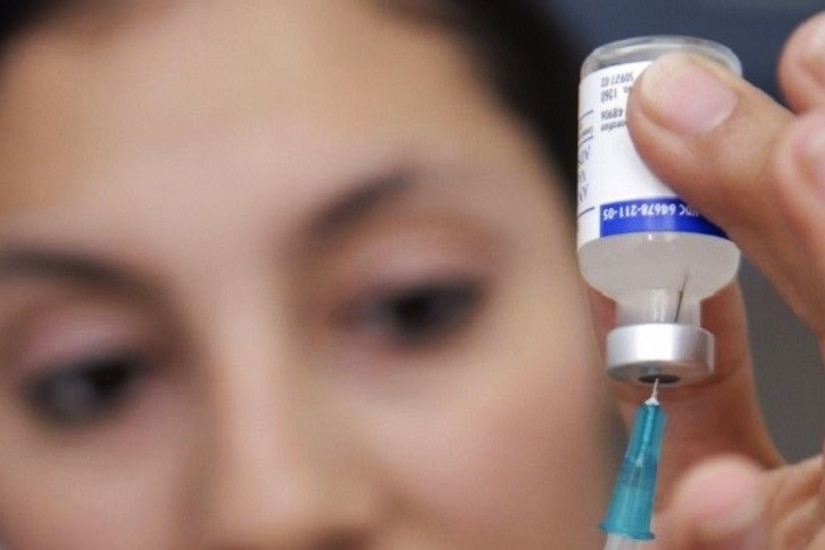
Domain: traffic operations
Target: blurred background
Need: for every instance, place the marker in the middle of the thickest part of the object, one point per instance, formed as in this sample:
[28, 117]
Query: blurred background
[790, 377]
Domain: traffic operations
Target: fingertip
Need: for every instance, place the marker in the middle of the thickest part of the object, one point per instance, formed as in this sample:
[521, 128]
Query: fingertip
[685, 95]
[704, 131]
[802, 65]
[717, 502]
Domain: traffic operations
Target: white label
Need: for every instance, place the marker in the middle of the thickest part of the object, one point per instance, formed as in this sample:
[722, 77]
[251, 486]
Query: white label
[617, 192]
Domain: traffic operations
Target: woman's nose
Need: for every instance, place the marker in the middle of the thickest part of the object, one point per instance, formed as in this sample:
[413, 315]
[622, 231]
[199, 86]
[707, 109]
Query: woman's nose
[280, 471]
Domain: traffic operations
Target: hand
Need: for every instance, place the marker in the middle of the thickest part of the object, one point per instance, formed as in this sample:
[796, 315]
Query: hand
[758, 171]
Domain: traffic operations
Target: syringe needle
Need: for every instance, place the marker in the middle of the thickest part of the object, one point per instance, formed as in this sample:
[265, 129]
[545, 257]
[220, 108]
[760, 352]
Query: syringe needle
[654, 396]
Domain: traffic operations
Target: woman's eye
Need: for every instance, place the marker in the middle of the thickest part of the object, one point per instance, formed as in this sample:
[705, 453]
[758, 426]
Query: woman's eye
[86, 391]
[421, 314]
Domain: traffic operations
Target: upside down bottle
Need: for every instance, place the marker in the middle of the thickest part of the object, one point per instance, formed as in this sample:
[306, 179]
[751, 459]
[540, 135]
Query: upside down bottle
[638, 243]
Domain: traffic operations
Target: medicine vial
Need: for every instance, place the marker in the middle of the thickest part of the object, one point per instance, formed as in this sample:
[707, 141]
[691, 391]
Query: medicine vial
[638, 243]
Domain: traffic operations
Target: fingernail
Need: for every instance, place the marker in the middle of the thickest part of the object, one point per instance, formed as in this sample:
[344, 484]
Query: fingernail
[684, 96]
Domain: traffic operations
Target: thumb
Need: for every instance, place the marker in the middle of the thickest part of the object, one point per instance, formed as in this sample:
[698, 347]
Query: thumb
[741, 159]
[719, 506]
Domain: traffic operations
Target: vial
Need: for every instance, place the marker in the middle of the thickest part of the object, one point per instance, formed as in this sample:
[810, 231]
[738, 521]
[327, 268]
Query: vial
[638, 243]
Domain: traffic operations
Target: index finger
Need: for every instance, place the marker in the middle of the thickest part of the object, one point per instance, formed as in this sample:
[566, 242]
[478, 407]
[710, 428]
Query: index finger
[802, 65]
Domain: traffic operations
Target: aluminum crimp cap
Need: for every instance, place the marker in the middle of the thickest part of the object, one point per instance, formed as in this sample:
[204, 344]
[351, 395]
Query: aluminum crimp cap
[673, 353]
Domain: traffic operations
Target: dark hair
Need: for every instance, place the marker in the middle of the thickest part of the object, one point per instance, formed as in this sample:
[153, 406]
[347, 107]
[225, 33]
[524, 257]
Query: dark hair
[517, 46]
[531, 63]
[16, 16]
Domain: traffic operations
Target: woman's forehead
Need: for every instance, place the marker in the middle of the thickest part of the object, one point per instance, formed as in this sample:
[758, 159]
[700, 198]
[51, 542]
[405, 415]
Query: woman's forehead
[308, 74]
[289, 45]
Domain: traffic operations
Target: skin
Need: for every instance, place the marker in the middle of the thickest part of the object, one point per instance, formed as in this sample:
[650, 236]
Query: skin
[241, 227]
[758, 170]
[211, 188]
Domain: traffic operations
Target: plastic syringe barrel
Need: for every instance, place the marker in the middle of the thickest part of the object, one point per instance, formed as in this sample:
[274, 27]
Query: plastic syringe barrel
[618, 542]
[631, 506]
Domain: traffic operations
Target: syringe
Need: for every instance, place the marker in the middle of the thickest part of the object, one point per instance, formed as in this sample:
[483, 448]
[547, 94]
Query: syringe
[631, 507]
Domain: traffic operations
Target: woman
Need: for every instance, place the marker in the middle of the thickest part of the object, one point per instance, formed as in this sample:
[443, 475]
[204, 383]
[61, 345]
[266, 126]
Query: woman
[301, 275]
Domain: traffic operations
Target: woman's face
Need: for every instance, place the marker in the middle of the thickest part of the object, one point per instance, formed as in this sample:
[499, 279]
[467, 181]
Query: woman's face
[283, 275]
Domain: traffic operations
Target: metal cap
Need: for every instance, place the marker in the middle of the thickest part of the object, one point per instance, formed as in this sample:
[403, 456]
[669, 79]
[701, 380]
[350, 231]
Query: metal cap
[675, 354]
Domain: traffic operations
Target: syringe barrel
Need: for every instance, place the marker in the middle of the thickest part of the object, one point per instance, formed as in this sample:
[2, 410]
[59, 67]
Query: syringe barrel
[618, 542]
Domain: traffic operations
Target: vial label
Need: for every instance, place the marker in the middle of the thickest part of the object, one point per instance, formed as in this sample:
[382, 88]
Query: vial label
[617, 193]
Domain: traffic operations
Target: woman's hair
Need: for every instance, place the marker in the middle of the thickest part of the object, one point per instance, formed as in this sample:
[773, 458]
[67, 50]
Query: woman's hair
[518, 48]
[17, 15]
[530, 63]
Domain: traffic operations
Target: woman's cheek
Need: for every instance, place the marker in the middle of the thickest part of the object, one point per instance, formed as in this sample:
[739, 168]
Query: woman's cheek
[505, 462]
[117, 489]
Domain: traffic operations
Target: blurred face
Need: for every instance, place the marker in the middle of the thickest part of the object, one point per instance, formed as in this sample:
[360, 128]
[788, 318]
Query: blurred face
[283, 275]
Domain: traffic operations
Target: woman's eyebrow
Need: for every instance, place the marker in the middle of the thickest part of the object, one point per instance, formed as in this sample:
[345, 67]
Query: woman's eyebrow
[62, 265]
[343, 211]
[364, 198]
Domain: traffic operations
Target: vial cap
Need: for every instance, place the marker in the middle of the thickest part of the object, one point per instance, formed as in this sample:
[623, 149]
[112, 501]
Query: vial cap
[673, 353]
